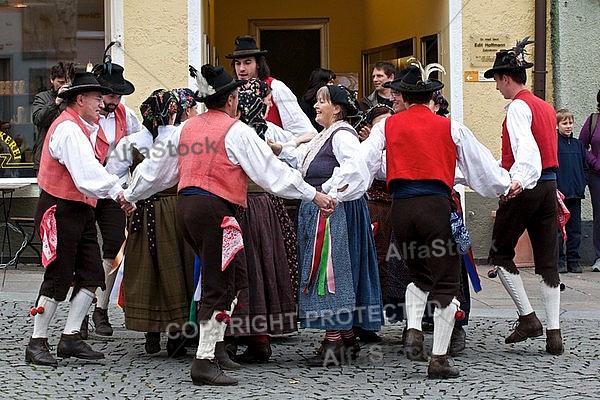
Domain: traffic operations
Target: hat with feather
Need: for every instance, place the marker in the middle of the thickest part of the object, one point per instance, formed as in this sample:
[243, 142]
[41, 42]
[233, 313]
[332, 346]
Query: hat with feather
[212, 81]
[417, 78]
[511, 60]
[110, 75]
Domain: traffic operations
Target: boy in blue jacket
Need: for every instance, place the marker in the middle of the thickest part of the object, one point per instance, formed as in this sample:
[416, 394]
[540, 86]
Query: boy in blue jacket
[571, 179]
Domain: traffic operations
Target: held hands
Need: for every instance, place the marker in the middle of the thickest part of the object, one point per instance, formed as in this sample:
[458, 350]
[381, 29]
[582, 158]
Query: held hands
[126, 206]
[275, 146]
[515, 189]
[364, 133]
[325, 203]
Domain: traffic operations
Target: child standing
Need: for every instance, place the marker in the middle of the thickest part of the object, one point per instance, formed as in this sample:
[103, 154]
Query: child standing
[571, 179]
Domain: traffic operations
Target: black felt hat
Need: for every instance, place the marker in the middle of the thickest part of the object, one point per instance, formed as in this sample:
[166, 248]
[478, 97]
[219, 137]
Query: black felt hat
[111, 75]
[245, 46]
[509, 61]
[212, 81]
[417, 81]
[345, 97]
[84, 82]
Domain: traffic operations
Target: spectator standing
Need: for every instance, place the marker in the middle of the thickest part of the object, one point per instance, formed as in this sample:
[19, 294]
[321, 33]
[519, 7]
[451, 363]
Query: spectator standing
[590, 137]
[48, 105]
[383, 71]
[571, 178]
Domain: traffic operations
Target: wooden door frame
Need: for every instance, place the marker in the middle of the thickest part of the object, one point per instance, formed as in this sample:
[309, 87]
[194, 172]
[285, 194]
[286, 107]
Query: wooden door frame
[255, 26]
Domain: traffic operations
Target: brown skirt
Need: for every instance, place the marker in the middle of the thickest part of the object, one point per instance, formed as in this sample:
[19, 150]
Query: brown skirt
[158, 290]
[269, 300]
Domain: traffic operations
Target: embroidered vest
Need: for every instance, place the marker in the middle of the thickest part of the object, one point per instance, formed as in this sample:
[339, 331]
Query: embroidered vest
[273, 114]
[543, 127]
[53, 177]
[203, 160]
[420, 146]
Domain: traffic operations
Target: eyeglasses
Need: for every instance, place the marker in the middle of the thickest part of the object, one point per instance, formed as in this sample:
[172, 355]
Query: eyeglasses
[394, 94]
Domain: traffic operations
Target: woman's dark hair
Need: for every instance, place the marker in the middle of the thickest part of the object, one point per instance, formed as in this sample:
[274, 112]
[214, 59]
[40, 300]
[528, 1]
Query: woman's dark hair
[598, 100]
[318, 78]
[262, 68]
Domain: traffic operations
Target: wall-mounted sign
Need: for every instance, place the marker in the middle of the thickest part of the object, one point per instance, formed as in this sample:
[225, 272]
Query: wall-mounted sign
[476, 76]
[483, 48]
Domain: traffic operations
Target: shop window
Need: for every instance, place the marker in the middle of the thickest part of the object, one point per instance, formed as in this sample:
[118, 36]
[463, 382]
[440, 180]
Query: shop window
[36, 36]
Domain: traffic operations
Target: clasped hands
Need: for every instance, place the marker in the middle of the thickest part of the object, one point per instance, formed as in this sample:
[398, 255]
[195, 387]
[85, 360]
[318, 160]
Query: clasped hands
[126, 206]
[325, 203]
[515, 189]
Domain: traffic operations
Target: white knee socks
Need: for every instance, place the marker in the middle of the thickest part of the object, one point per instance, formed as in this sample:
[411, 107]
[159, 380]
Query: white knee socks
[104, 295]
[79, 308]
[514, 286]
[551, 298]
[443, 324]
[416, 301]
[41, 321]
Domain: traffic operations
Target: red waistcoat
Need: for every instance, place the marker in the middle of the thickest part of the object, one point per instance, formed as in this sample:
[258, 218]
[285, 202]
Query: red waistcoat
[203, 160]
[543, 127]
[419, 146]
[120, 127]
[53, 177]
[273, 114]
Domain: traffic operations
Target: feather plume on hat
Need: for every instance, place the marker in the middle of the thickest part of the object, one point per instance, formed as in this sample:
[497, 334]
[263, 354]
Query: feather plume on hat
[204, 88]
[519, 51]
[427, 70]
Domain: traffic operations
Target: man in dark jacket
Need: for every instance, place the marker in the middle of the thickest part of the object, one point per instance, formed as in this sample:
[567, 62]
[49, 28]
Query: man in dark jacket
[47, 105]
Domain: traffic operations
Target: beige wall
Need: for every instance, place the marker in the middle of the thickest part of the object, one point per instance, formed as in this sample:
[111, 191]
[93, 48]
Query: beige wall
[483, 105]
[155, 44]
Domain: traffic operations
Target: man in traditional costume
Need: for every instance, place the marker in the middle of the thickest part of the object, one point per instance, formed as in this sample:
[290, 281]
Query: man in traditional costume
[529, 154]
[71, 177]
[423, 150]
[212, 155]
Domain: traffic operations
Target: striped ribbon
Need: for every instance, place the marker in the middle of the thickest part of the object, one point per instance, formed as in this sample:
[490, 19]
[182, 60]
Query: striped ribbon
[322, 265]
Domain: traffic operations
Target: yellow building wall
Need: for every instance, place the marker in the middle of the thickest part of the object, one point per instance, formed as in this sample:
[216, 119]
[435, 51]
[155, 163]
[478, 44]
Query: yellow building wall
[354, 25]
[483, 105]
[155, 46]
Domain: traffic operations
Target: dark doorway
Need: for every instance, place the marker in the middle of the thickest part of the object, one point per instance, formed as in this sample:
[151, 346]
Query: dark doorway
[293, 54]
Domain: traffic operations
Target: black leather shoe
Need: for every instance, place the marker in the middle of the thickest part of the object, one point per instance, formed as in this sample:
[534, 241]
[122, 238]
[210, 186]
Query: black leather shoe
[38, 352]
[366, 336]
[458, 341]
[574, 268]
[413, 345]
[352, 347]
[83, 331]
[152, 345]
[440, 368]
[255, 353]
[100, 318]
[176, 346]
[73, 346]
[528, 326]
[329, 354]
[207, 372]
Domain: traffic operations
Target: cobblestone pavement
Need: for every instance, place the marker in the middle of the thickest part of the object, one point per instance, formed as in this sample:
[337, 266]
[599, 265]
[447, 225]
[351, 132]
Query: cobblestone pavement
[489, 368]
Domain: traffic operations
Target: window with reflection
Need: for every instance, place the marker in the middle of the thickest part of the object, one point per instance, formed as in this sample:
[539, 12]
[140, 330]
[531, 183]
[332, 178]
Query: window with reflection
[37, 35]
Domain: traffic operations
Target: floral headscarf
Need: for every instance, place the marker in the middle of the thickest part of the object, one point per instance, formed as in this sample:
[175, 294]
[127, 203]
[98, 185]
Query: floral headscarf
[157, 109]
[251, 105]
